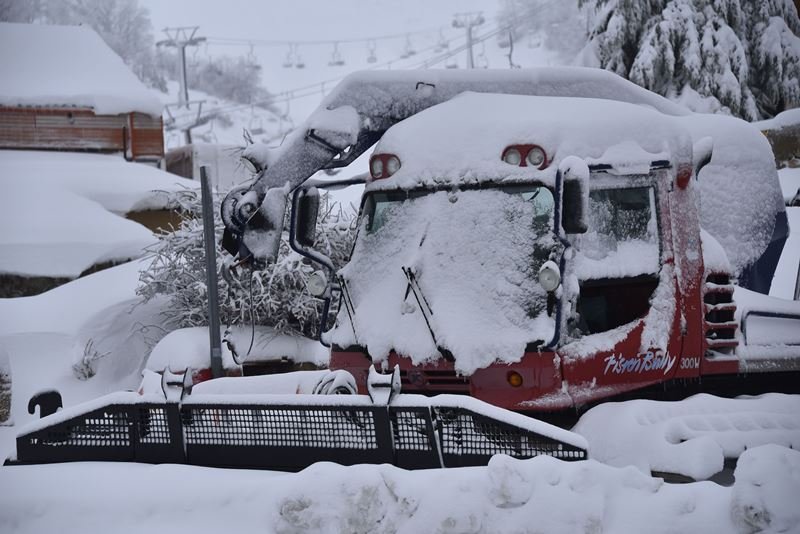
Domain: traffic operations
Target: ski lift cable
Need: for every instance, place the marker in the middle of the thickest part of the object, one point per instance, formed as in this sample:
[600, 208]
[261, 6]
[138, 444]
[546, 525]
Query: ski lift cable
[312, 42]
[461, 48]
[313, 89]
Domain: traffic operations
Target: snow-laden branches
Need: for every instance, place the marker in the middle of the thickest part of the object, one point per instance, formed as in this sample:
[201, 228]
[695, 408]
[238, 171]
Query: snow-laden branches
[276, 296]
[732, 56]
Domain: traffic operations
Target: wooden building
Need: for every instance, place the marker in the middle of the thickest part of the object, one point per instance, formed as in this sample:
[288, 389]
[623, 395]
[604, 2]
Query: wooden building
[69, 91]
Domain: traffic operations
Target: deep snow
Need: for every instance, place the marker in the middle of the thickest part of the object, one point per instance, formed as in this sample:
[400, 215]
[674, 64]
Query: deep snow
[538, 495]
[67, 210]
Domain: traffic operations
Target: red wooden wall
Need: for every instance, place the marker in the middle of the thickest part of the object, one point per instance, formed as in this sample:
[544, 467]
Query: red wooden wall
[137, 135]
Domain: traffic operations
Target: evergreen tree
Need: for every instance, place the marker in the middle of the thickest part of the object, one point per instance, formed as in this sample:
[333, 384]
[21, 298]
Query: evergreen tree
[743, 56]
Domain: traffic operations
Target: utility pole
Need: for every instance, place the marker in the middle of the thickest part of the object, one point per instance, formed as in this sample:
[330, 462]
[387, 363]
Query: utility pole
[468, 21]
[180, 38]
[211, 273]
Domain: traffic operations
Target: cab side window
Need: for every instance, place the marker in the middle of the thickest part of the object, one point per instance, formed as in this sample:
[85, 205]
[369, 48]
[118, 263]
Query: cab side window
[617, 261]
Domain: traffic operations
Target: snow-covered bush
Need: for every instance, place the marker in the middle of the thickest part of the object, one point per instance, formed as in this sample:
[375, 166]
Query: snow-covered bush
[85, 367]
[276, 296]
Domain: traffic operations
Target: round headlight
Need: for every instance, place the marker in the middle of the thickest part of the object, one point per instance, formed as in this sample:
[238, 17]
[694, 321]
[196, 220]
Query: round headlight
[512, 156]
[535, 157]
[376, 168]
[392, 165]
[549, 276]
[317, 283]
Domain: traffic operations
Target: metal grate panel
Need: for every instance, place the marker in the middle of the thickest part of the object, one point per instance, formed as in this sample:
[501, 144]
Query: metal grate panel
[412, 430]
[153, 426]
[468, 438]
[286, 437]
[279, 427]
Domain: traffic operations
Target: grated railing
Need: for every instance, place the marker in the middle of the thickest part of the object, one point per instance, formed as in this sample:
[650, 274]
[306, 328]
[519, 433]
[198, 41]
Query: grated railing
[286, 437]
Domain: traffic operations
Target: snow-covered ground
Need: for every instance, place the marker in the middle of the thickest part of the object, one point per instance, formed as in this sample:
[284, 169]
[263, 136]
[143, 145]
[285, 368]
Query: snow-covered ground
[537, 495]
[67, 210]
[612, 492]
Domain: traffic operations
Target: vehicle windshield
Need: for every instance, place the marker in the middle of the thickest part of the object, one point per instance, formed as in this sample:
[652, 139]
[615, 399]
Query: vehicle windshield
[475, 256]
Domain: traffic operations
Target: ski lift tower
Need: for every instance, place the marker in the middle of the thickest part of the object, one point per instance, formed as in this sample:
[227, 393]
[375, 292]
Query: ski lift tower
[180, 38]
[468, 21]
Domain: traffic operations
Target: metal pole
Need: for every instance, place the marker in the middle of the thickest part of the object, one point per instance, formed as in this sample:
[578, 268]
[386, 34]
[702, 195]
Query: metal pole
[797, 284]
[211, 274]
[468, 21]
[180, 38]
[183, 96]
[470, 58]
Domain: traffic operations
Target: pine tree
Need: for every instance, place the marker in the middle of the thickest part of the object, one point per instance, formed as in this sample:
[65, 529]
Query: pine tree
[742, 56]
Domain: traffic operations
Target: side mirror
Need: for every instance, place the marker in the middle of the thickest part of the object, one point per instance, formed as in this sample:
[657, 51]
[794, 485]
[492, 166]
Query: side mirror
[575, 195]
[304, 216]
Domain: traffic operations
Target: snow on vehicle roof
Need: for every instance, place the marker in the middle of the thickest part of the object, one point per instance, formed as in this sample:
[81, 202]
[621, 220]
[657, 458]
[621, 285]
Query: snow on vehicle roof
[64, 210]
[67, 66]
[480, 126]
[740, 194]
[401, 91]
[739, 190]
[790, 117]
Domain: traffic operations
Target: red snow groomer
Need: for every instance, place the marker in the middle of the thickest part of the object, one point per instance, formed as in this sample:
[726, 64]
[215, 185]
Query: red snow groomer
[540, 239]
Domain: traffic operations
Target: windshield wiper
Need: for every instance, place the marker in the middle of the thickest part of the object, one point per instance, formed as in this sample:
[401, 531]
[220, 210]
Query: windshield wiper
[348, 305]
[427, 311]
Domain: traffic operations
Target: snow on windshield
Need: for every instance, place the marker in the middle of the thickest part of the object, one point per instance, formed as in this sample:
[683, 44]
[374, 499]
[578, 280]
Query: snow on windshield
[622, 239]
[474, 254]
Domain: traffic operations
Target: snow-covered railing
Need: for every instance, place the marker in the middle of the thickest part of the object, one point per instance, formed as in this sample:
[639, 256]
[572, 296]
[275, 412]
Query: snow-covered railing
[291, 432]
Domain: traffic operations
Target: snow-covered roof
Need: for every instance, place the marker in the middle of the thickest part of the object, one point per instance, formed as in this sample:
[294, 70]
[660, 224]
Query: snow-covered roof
[480, 126]
[60, 212]
[67, 66]
[790, 117]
